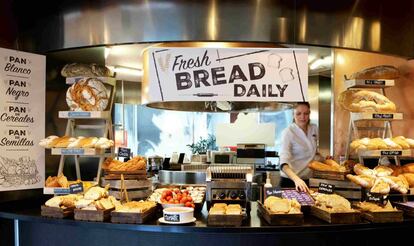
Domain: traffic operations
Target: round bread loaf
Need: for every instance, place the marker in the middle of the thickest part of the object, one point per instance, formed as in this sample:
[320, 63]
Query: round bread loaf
[88, 94]
[365, 101]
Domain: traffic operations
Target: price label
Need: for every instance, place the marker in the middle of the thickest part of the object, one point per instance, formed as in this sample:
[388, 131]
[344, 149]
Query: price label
[273, 192]
[78, 114]
[76, 188]
[382, 116]
[73, 151]
[391, 152]
[172, 217]
[124, 152]
[60, 191]
[326, 188]
[374, 82]
[375, 198]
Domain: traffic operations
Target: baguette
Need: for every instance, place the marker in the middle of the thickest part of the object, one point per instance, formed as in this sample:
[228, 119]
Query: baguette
[362, 180]
[382, 171]
[360, 169]
[319, 166]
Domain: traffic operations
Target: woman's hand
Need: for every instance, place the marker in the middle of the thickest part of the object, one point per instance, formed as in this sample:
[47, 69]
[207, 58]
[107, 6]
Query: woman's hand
[300, 185]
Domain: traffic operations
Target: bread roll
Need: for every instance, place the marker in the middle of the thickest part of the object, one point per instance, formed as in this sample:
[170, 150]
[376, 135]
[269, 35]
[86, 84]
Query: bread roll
[400, 140]
[365, 101]
[378, 72]
[217, 210]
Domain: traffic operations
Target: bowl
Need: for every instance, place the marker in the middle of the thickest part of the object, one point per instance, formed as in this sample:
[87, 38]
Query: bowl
[172, 205]
[178, 214]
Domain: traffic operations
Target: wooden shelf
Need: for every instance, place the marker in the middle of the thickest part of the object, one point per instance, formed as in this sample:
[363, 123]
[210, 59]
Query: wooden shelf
[385, 152]
[376, 116]
[368, 83]
[81, 151]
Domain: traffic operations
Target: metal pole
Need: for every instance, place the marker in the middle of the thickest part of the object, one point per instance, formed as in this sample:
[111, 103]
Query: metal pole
[16, 233]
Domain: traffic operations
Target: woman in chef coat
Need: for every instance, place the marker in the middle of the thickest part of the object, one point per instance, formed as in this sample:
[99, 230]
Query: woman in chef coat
[299, 147]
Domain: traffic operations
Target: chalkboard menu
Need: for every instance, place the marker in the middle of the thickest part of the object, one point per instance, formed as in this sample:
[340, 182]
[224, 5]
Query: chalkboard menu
[124, 152]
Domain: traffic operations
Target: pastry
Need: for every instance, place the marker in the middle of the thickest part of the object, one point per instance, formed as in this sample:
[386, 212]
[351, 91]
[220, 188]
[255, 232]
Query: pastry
[87, 95]
[360, 169]
[382, 171]
[380, 187]
[365, 101]
[377, 72]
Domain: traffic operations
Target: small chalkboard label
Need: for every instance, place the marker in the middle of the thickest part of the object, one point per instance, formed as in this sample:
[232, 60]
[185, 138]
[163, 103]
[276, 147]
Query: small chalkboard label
[124, 152]
[374, 82]
[382, 116]
[326, 188]
[273, 192]
[375, 198]
[76, 188]
[172, 217]
[391, 152]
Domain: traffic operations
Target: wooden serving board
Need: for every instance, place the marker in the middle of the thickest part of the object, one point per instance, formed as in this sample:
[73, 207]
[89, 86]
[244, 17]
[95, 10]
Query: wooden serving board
[336, 218]
[92, 215]
[279, 219]
[383, 217]
[231, 220]
[132, 218]
[406, 207]
[331, 175]
[56, 212]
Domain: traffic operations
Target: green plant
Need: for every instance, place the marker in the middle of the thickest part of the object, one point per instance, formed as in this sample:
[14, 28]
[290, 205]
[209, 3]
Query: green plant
[203, 145]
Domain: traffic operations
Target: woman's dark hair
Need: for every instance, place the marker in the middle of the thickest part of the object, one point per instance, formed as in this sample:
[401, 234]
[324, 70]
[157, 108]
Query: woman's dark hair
[302, 103]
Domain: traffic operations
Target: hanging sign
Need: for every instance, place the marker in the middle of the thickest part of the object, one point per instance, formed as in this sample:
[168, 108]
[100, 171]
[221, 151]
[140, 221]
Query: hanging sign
[227, 74]
[22, 120]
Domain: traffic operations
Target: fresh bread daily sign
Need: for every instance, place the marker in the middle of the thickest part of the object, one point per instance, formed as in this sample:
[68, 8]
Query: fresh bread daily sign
[22, 120]
[227, 74]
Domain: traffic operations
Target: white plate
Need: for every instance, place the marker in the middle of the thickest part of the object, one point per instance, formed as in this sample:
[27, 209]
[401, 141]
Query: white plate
[176, 223]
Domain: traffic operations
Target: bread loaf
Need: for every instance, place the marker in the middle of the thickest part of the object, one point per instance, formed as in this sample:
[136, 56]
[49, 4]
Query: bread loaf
[410, 179]
[378, 72]
[85, 70]
[365, 101]
[87, 94]
[408, 168]
[362, 180]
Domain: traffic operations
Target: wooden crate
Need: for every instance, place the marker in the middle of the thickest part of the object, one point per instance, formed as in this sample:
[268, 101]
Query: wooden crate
[56, 212]
[137, 175]
[93, 215]
[279, 219]
[230, 220]
[336, 218]
[383, 217]
[344, 188]
[132, 218]
[406, 207]
[331, 175]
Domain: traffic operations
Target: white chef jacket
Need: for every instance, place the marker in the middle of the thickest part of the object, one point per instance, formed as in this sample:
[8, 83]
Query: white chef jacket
[298, 149]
